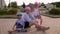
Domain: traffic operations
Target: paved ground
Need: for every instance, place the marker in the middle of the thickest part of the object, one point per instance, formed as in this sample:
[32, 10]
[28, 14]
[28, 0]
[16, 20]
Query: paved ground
[53, 23]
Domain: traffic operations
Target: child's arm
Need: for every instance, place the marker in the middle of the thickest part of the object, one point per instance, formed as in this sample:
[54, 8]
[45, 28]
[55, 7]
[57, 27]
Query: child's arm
[40, 17]
[23, 26]
[40, 20]
[14, 26]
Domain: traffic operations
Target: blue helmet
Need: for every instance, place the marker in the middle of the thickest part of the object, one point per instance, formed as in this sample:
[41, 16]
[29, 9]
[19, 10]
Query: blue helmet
[19, 13]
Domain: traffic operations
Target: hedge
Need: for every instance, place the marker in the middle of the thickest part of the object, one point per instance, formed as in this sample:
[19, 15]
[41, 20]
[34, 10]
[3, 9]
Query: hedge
[9, 11]
[12, 11]
[55, 11]
[3, 11]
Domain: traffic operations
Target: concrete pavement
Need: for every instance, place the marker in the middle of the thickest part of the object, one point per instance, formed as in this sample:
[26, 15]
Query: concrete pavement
[53, 23]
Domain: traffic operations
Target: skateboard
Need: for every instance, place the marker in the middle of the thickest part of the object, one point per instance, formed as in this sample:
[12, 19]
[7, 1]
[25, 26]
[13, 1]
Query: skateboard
[19, 30]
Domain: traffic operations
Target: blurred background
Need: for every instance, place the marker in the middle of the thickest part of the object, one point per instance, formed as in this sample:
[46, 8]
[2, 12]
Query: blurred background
[50, 12]
[10, 7]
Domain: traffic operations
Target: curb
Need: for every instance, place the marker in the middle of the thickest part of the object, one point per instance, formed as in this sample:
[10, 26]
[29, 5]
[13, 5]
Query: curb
[8, 17]
[15, 17]
[51, 16]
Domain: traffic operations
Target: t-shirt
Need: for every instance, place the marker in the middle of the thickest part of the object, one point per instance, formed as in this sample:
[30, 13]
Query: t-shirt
[20, 21]
[27, 17]
[31, 16]
[36, 12]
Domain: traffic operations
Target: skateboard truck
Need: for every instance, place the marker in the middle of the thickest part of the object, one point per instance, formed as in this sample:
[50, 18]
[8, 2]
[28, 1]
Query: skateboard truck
[22, 30]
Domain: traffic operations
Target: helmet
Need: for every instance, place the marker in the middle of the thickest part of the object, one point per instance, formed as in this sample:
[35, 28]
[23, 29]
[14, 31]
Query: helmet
[36, 3]
[27, 8]
[19, 13]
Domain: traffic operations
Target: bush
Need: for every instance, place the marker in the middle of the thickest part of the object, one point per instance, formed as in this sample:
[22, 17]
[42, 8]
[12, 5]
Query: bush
[8, 11]
[3, 11]
[55, 11]
[12, 11]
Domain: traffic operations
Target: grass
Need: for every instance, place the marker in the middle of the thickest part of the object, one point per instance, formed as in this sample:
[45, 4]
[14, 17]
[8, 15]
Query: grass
[7, 15]
[51, 15]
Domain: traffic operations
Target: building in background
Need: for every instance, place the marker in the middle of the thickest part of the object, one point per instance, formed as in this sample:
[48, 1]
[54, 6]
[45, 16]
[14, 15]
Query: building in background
[2, 3]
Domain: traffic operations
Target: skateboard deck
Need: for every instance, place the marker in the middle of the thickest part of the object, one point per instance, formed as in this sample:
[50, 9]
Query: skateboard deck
[19, 31]
[29, 32]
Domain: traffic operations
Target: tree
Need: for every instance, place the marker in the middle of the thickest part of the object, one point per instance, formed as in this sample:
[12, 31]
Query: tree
[23, 5]
[13, 4]
[56, 3]
[31, 6]
[43, 5]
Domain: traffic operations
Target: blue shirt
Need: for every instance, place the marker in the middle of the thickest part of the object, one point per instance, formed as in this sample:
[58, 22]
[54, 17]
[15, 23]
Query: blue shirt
[20, 21]
[27, 17]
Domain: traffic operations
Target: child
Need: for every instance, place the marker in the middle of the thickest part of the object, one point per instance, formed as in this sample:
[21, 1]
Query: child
[29, 18]
[19, 22]
[36, 12]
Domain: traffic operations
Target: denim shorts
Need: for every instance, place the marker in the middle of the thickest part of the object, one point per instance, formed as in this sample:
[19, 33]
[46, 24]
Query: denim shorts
[38, 16]
[20, 26]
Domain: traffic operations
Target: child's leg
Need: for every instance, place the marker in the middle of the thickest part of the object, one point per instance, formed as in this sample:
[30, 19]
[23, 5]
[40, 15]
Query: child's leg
[39, 21]
[39, 27]
[42, 28]
[27, 25]
[12, 30]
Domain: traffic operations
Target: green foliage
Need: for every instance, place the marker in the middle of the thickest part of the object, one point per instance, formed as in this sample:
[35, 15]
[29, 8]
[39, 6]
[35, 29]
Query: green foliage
[8, 11]
[56, 3]
[13, 4]
[12, 11]
[55, 11]
[3, 11]
[9, 5]
[42, 5]
[23, 5]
